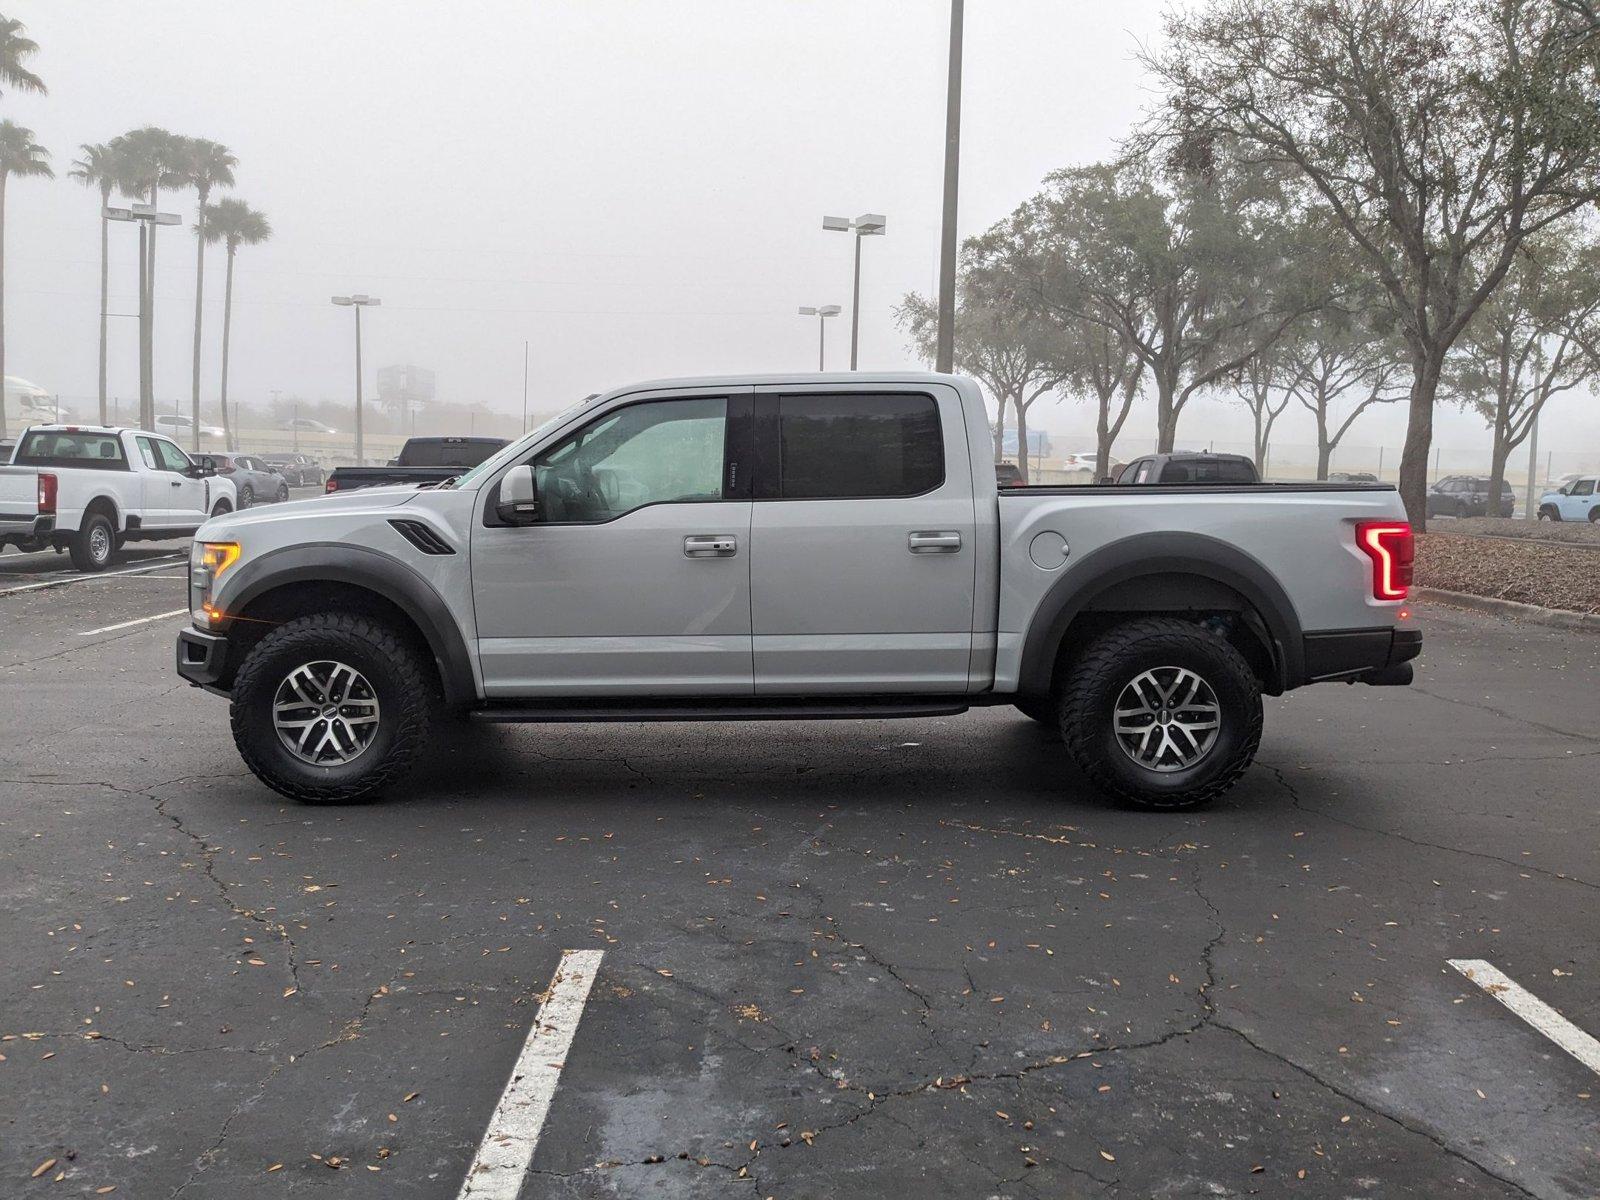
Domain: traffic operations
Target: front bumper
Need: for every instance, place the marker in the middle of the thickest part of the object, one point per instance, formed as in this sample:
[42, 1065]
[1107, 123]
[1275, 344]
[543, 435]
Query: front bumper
[1376, 656]
[203, 659]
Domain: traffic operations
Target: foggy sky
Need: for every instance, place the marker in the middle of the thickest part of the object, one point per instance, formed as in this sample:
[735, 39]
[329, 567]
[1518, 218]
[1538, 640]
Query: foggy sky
[636, 187]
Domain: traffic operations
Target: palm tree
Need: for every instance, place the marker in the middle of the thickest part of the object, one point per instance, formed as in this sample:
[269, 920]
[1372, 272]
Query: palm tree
[206, 165]
[14, 49]
[234, 223]
[154, 159]
[102, 167]
[19, 155]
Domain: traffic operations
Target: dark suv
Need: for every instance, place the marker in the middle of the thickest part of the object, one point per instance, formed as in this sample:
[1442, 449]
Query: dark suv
[1189, 467]
[1468, 496]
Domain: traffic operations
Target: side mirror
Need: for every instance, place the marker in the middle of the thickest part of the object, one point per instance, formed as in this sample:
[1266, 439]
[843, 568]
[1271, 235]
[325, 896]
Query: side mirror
[519, 497]
[203, 470]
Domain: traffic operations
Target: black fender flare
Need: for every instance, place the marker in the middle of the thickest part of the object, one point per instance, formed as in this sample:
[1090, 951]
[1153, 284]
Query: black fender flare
[1161, 554]
[361, 566]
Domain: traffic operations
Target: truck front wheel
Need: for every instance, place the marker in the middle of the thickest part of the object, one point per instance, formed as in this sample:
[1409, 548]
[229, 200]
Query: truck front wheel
[331, 708]
[1162, 714]
[94, 546]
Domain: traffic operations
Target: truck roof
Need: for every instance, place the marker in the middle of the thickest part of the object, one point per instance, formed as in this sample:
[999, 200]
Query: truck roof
[853, 378]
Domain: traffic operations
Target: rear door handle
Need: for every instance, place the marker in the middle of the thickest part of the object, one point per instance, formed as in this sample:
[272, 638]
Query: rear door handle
[934, 541]
[710, 545]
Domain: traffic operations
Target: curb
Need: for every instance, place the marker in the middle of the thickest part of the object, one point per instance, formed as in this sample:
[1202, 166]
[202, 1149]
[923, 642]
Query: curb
[1556, 618]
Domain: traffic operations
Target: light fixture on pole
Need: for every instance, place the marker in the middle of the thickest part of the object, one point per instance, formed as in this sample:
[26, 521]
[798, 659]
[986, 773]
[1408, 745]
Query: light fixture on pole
[866, 225]
[825, 311]
[145, 215]
[358, 303]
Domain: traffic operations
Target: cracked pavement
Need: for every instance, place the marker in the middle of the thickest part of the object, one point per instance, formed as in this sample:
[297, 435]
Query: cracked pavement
[842, 959]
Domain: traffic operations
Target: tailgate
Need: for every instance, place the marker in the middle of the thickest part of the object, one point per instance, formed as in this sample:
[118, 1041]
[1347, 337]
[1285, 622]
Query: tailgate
[19, 493]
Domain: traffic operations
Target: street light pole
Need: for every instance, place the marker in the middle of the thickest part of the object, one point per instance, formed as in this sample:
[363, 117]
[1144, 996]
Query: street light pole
[146, 216]
[866, 225]
[945, 357]
[821, 314]
[358, 303]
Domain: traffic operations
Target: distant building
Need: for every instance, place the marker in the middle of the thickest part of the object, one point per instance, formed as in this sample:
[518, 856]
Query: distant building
[405, 387]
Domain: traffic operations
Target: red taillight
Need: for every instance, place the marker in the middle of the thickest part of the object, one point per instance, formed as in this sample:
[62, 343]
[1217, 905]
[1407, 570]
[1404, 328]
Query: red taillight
[1391, 547]
[47, 494]
[330, 486]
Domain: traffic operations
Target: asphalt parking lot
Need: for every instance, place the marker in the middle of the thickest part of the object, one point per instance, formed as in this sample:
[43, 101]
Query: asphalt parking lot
[836, 959]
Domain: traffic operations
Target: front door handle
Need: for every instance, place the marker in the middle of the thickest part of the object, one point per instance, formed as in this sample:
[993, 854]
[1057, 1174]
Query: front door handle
[710, 545]
[934, 541]
[177, 483]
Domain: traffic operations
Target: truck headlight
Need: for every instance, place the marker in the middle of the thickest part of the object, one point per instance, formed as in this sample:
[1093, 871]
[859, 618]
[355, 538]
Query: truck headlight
[207, 562]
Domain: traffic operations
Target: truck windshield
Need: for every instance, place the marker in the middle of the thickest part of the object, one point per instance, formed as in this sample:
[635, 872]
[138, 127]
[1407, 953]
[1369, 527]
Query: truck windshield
[74, 448]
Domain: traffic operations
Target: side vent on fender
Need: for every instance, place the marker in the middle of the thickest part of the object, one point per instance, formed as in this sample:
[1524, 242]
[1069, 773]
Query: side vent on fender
[423, 537]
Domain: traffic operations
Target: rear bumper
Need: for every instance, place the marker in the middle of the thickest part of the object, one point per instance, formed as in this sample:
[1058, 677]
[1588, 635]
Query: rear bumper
[16, 526]
[1377, 656]
[203, 659]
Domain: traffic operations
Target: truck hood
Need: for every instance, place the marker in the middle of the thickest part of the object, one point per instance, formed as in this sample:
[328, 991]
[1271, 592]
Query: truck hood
[368, 499]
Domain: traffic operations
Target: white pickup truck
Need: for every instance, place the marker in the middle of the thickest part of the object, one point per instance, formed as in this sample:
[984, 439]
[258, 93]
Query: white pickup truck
[89, 489]
[790, 547]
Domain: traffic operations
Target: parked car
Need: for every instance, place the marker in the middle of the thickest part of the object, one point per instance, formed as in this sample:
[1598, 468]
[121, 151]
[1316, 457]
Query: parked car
[1468, 496]
[1579, 500]
[89, 489]
[421, 460]
[1008, 475]
[1352, 477]
[7, 445]
[305, 425]
[1189, 467]
[749, 549]
[257, 481]
[301, 470]
[178, 426]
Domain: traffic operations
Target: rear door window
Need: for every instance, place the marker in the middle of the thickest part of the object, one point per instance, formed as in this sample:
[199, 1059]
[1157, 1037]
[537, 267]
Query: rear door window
[858, 446]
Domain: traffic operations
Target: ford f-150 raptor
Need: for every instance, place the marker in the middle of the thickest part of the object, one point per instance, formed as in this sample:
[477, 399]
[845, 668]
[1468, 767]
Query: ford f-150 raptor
[790, 547]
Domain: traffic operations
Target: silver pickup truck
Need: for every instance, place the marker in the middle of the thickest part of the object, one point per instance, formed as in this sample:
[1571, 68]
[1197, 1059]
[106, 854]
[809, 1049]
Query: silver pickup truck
[790, 547]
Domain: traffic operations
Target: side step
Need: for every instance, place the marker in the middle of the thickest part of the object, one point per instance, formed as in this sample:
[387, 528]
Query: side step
[741, 708]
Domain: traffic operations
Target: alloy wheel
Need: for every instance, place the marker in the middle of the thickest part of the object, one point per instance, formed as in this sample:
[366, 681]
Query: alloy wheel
[1167, 719]
[326, 713]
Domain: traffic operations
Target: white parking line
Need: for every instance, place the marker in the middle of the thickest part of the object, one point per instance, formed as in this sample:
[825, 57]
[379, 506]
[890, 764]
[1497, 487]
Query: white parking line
[508, 1144]
[85, 577]
[1531, 1009]
[177, 612]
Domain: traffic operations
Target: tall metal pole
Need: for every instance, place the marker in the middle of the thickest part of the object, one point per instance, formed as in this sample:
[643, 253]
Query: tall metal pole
[360, 458]
[945, 357]
[822, 342]
[1531, 511]
[855, 306]
[524, 385]
[147, 404]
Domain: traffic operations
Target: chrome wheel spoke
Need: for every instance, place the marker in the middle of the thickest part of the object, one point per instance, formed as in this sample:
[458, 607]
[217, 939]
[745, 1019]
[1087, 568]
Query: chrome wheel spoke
[1167, 719]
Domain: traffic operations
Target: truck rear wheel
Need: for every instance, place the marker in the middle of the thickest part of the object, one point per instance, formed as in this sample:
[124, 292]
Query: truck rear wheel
[94, 546]
[1162, 714]
[331, 708]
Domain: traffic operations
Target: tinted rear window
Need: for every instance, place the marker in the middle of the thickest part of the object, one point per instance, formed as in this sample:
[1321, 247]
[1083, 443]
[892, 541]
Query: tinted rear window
[1225, 471]
[49, 448]
[447, 454]
[833, 447]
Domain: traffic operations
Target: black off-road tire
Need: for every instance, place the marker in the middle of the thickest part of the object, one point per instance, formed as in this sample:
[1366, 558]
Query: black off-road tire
[1095, 679]
[1549, 513]
[94, 547]
[221, 508]
[403, 680]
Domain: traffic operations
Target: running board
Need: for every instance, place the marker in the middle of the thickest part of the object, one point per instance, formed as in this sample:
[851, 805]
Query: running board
[741, 709]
